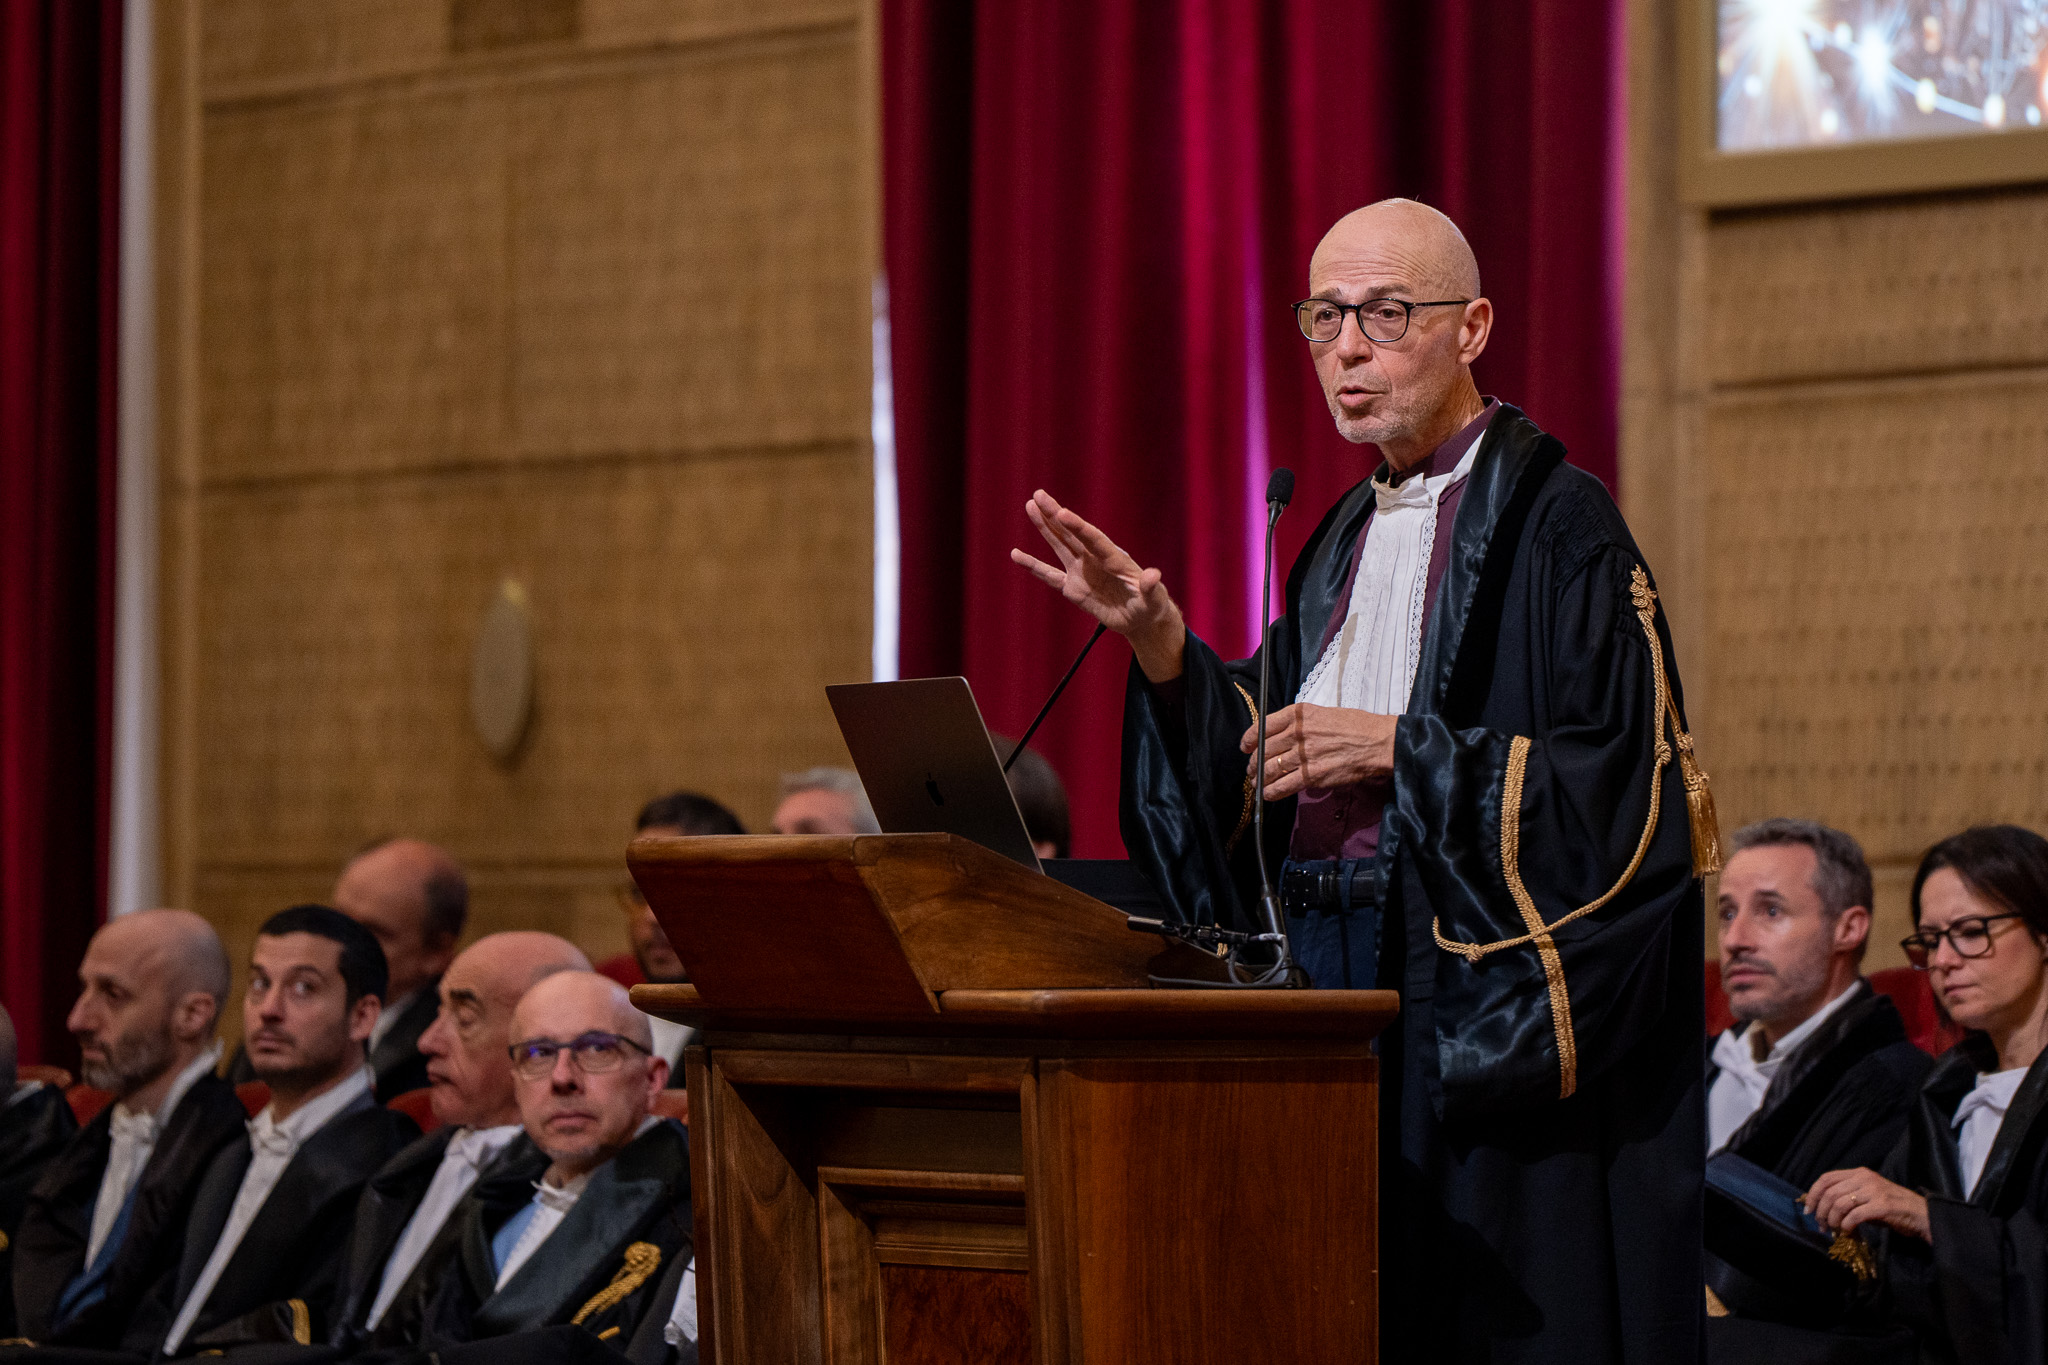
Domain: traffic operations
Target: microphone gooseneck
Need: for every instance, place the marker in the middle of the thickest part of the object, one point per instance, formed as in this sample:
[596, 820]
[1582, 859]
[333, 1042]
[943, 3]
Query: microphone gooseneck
[1279, 492]
[1046, 709]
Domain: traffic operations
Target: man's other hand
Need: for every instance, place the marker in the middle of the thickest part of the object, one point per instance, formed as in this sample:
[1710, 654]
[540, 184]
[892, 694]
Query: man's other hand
[1319, 747]
[1096, 575]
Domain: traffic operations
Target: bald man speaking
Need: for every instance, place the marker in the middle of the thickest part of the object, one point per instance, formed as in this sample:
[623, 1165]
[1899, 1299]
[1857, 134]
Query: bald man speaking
[1475, 766]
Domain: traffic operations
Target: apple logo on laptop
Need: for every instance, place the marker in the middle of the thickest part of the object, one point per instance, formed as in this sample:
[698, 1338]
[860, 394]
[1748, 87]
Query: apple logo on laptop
[931, 786]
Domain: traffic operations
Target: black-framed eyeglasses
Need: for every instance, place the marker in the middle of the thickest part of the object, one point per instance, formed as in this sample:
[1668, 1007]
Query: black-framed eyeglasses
[1970, 936]
[593, 1053]
[1382, 320]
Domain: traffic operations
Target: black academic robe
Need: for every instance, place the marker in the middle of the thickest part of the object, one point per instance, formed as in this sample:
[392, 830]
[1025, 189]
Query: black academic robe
[1979, 1293]
[600, 1270]
[33, 1131]
[1543, 1127]
[50, 1248]
[387, 1205]
[293, 1254]
[1842, 1100]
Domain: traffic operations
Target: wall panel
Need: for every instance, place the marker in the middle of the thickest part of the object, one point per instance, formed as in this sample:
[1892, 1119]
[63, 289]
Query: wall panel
[466, 290]
[1836, 432]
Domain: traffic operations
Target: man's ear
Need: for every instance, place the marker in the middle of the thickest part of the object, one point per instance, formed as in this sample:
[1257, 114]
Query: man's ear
[1473, 330]
[1852, 927]
[192, 1017]
[362, 1017]
[657, 1073]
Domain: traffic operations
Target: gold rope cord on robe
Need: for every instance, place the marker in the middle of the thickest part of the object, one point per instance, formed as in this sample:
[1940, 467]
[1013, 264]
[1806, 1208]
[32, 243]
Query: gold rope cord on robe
[1539, 933]
[641, 1261]
[1244, 820]
[302, 1321]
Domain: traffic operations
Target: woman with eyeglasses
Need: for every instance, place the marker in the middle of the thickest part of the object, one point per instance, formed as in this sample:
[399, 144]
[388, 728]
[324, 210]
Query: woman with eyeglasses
[1960, 1212]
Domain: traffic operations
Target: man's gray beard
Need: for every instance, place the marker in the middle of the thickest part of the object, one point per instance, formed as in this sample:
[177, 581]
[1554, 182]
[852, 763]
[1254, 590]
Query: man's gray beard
[1791, 988]
[133, 1061]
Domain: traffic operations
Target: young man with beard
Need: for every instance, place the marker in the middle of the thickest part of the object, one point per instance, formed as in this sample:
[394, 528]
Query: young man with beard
[270, 1226]
[588, 1248]
[409, 1220]
[1817, 1074]
[107, 1219]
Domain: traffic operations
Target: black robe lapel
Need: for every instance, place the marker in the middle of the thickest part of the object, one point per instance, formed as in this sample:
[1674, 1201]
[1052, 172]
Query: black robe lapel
[386, 1206]
[627, 1195]
[1803, 1084]
[2018, 1147]
[1935, 1167]
[1515, 456]
[208, 1118]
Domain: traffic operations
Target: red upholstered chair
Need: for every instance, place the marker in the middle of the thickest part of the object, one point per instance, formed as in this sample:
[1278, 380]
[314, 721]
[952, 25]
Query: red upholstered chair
[253, 1095]
[48, 1075]
[1910, 991]
[1718, 1016]
[86, 1102]
[624, 969]
[673, 1104]
[417, 1105]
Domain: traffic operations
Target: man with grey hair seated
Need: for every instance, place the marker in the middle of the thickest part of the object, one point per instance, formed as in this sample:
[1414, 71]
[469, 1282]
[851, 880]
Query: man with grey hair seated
[107, 1219]
[1817, 1073]
[824, 801]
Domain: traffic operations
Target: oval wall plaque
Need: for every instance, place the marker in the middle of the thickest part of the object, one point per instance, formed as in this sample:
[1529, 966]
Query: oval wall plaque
[501, 673]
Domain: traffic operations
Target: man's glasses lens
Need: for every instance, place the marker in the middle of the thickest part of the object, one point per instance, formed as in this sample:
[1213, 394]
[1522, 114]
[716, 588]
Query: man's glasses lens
[593, 1054]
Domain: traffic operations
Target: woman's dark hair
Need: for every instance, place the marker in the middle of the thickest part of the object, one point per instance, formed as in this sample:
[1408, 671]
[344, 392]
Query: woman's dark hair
[2002, 863]
[363, 968]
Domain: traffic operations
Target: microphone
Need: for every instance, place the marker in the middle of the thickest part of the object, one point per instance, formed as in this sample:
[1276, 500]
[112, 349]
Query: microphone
[1046, 709]
[1279, 492]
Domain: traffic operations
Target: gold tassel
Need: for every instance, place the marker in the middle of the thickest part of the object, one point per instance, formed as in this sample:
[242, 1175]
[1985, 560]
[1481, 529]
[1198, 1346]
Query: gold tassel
[1850, 1250]
[641, 1260]
[1699, 801]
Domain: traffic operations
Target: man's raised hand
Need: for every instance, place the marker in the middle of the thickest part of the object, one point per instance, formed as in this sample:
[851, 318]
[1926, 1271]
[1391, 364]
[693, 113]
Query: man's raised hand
[1096, 575]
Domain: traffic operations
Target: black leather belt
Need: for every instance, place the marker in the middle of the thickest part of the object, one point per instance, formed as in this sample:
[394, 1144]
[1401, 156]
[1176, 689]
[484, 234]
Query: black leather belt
[1331, 886]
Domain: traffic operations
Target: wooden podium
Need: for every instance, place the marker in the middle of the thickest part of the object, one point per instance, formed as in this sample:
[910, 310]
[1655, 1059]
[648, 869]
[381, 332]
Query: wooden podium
[937, 1114]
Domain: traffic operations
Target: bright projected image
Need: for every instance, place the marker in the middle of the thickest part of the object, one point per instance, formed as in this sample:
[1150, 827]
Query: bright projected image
[1817, 73]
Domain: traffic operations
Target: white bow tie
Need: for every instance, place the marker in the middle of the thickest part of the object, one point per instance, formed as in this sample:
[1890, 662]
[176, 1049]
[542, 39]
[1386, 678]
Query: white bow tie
[561, 1200]
[471, 1145]
[139, 1128]
[265, 1137]
[1412, 491]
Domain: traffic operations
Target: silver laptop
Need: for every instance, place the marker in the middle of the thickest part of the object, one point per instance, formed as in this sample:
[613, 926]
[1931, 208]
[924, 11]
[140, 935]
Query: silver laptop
[928, 764]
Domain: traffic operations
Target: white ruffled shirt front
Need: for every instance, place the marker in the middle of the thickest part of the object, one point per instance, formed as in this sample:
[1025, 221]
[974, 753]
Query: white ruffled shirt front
[1370, 663]
[1978, 1119]
[1745, 1077]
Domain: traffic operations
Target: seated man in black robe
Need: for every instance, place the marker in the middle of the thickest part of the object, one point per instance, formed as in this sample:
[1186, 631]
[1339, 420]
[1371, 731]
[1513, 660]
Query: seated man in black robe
[107, 1219]
[270, 1225]
[1818, 1074]
[409, 1220]
[587, 1246]
[35, 1124]
[1959, 1212]
[1483, 787]
[415, 898]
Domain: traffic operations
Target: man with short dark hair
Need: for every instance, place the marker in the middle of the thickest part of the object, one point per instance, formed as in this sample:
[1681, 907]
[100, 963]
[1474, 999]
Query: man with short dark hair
[270, 1225]
[587, 1245]
[407, 1221]
[107, 1219]
[1817, 1074]
[1041, 799]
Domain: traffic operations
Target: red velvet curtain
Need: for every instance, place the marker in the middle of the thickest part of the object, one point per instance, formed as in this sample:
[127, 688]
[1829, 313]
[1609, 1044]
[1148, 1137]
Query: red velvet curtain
[1096, 213]
[60, 100]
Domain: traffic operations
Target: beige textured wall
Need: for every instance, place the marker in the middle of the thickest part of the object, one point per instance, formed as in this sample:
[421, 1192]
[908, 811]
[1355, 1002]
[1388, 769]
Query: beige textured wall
[1835, 450]
[456, 291]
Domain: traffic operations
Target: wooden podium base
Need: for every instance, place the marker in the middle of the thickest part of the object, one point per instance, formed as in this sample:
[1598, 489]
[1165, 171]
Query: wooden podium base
[1039, 1176]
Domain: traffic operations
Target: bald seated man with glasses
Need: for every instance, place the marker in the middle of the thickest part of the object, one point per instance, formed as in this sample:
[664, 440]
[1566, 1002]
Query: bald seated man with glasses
[1474, 764]
[587, 1249]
